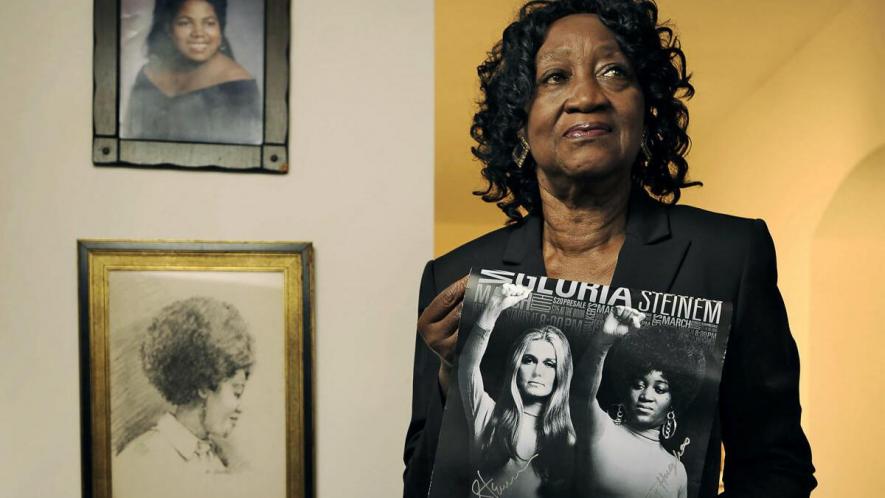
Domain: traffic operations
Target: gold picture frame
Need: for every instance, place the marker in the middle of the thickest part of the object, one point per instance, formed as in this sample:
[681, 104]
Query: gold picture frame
[148, 372]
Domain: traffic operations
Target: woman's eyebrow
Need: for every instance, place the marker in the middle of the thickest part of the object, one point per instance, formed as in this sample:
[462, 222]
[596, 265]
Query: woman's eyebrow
[189, 18]
[608, 48]
[601, 49]
[554, 54]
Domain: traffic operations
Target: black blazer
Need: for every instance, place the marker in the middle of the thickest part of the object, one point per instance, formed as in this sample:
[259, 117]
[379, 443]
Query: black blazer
[681, 250]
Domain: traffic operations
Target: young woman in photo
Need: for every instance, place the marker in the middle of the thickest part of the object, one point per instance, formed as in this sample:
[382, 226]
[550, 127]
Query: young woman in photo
[192, 89]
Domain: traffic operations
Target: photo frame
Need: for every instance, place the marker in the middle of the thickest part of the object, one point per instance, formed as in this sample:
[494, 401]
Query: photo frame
[210, 92]
[196, 368]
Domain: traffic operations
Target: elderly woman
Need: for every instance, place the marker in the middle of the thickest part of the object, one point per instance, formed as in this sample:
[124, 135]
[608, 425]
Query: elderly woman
[191, 88]
[582, 133]
[519, 434]
[198, 354]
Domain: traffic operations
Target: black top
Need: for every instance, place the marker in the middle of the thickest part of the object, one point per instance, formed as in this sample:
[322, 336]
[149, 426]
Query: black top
[681, 250]
[229, 112]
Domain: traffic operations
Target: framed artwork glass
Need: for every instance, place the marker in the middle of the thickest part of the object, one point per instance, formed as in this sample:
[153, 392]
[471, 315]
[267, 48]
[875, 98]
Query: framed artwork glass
[191, 84]
[195, 366]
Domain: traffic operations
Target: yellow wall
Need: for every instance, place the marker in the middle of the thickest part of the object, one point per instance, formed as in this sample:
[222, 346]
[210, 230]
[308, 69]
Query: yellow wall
[465, 31]
[780, 154]
[847, 285]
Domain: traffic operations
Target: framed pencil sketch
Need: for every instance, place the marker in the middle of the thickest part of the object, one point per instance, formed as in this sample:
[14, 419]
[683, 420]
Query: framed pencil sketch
[191, 84]
[195, 369]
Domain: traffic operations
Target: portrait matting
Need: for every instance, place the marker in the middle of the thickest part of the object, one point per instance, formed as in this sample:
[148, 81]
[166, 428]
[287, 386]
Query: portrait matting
[196, 363]
[191, 84]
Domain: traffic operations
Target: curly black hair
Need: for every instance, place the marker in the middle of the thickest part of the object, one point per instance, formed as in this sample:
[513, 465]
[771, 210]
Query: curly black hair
[195, 344]
[507, 79]
[670, 351]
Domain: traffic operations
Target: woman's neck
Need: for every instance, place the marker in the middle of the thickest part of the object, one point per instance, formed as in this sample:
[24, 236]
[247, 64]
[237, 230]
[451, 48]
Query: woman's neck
[652, 434]
[181, 75]
[533, 408]
[584, 230]
[191, 416]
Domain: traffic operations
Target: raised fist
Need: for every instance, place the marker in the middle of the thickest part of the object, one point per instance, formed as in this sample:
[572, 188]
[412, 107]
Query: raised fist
[619, 321]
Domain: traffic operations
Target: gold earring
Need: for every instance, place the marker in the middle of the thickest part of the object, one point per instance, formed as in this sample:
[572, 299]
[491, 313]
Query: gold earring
[520, 152]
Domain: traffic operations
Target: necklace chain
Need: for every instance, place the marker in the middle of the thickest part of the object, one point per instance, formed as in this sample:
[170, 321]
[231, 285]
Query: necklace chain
[643, 436]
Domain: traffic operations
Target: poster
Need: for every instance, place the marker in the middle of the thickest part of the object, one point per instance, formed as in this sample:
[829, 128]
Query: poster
[567, 388]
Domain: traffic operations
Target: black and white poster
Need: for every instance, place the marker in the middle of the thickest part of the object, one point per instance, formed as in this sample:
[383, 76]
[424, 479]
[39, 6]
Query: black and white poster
[568, 389]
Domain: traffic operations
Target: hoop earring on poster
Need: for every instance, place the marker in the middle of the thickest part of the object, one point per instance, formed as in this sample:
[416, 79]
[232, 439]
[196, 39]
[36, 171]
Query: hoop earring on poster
[619, 415]
[669, 427]
[520, 152]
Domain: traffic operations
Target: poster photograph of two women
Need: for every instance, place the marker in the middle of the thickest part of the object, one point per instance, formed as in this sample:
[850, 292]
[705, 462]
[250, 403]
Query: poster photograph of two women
[570, 389]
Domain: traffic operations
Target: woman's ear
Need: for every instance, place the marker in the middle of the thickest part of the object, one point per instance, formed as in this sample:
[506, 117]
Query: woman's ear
[203, 393]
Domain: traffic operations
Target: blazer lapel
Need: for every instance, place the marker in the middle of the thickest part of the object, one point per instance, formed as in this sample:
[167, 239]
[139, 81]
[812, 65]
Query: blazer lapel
[651, 255]
[523, 253]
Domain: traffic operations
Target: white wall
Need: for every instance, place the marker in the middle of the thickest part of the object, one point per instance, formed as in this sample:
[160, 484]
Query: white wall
[360, 187]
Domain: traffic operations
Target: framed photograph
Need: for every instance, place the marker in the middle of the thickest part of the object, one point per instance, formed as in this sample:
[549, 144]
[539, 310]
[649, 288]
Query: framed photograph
[192, 84]
[195, 366]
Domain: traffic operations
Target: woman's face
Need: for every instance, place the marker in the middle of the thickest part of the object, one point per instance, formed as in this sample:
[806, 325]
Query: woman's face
[649, 400]
[195, 31]
[223, 405]
[536, 374]
[585, 119]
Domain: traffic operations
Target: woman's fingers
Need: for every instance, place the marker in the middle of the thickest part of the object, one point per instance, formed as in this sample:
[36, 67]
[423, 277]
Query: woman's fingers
[449, 323]
[638, 317]
[443, 303]
[438, 324]
[620, 320]
[510, 294]
[627, 315]
[514, 290]
[442, 336]
[613, 324]
[445, 347]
